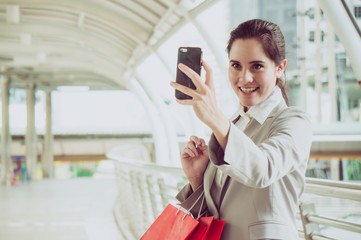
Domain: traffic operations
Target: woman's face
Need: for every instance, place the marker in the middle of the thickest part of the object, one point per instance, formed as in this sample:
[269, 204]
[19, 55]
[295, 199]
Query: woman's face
[251, 73]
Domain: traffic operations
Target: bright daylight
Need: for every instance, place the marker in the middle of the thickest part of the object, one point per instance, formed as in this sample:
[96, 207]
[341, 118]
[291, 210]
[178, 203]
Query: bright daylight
[180, 119]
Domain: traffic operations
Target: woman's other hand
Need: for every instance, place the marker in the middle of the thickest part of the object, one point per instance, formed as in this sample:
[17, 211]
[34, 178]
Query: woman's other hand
[195, 159]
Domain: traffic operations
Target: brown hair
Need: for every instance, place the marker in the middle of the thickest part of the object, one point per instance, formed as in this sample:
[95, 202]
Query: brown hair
[271, 38]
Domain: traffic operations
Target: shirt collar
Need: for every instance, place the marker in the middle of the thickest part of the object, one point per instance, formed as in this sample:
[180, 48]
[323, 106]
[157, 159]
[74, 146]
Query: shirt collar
[261, 111]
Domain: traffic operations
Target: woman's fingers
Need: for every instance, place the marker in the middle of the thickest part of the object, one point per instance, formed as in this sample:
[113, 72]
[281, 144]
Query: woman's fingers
[194, 145]
[201, 88]
[209, 75]
[186, 90]
[191, 149]
[195, 139]
[196, 79]
[203, 143]
[189, 152]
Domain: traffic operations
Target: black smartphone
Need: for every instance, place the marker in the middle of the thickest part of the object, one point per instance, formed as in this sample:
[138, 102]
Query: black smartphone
[191, 57]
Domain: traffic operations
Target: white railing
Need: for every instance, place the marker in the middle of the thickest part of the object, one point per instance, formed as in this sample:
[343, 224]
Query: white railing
[345, 199]
[145, 189]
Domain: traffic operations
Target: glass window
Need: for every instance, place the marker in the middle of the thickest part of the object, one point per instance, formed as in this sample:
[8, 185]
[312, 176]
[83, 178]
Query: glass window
[358, 12]
[18, 112]
[98, 112]
[311, 36]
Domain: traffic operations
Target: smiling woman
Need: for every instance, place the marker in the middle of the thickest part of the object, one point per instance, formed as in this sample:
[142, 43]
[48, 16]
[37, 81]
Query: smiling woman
[251, 174]
[253, 75]
[265, 50]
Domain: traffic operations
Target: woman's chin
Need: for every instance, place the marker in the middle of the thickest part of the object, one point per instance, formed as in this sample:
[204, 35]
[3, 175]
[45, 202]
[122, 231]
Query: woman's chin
[248, 102]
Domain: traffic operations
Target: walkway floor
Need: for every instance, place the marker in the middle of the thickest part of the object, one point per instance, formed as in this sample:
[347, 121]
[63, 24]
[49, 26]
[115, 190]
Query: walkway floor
[79, 209]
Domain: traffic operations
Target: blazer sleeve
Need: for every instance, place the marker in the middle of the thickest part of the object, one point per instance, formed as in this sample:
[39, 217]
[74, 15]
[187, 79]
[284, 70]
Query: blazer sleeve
[192, 201]
[286, 147]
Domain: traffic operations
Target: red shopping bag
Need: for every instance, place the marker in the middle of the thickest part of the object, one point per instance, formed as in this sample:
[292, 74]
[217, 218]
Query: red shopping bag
[214, 232]
[213, 229]
[171, 224]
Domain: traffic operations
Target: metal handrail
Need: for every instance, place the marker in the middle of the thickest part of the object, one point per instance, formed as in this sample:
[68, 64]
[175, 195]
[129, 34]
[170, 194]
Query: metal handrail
[335, 222]
[321, 237]
[353, 194]
[144, 166]
[333, 183]
[333, 188]
[329, 188]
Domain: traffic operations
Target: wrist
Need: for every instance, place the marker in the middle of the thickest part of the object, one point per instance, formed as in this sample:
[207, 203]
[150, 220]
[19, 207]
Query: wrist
[195, 183]
[221, 126]
[221, 129]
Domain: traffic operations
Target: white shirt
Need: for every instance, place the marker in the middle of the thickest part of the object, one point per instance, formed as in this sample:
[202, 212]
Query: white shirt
[261, 111]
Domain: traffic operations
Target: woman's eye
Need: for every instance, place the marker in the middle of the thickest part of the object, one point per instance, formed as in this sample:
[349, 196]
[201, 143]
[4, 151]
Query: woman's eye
[236, 65]
[257, 66]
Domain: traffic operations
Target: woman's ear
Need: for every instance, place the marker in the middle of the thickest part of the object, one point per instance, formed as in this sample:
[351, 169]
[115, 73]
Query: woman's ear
[281, 68]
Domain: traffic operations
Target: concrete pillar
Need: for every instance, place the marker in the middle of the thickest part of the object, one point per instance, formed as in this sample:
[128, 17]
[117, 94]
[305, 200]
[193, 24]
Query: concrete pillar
[30, 139]
[332, 84]
[48, 158]
[318, 66]
[5, 133]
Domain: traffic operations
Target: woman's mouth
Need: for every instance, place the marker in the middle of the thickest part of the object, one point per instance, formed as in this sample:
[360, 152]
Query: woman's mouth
[248, 90]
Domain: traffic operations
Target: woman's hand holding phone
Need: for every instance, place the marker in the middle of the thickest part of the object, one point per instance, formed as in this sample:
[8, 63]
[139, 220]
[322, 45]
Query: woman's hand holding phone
[203, 101]
[203, 97]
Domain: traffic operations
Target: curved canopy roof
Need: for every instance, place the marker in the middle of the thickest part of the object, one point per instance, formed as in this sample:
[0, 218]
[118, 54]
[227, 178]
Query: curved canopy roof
[96, 43]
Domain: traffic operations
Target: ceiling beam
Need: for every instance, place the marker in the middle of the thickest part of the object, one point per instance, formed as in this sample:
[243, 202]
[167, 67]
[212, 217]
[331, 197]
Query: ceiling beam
[123, 20]
[59, 32]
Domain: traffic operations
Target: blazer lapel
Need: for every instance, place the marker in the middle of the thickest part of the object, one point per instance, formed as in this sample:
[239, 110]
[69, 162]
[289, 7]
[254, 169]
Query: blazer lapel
[281, 106]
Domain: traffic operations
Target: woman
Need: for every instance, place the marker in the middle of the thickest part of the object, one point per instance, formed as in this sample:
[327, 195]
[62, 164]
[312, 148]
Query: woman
[252, 172]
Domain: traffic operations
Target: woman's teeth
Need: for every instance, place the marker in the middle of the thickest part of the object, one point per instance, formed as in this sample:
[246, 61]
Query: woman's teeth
[248, 90]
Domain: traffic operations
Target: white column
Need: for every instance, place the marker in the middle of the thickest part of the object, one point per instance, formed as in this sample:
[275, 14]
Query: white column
[173, 157]
[5, 132]
[332, 85]
[335, 169]
[346, 32]
[212, 45]
[48, 158]
[158, 132]
[303, 76]
[30, 139]
[318, 67]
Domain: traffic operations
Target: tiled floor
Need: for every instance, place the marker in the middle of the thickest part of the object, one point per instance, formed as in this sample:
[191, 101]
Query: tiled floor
[59, 210]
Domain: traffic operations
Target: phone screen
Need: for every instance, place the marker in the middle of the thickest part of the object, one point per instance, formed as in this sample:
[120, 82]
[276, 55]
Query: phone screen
[191, 57]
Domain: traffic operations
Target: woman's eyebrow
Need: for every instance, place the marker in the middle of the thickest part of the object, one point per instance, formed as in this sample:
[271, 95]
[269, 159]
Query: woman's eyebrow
[257, 61]
[251, 62]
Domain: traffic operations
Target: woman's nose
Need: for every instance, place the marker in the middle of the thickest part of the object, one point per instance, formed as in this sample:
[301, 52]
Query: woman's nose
[246, 76]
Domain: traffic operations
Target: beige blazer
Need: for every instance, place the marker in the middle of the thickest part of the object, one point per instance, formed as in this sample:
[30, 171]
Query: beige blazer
[265, 169]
